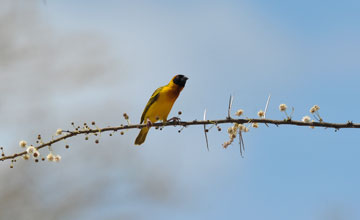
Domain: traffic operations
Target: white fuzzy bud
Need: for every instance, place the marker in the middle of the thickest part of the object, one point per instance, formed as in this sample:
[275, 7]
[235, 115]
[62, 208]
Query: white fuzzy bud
[242, 127]
[50, 157]
[26, 156]
[57, 158]
[306, 119]
[261, 113]
[314, 109]
[31, 150]
[59, 131]
[22, 143]
[282, 107]
[239, 112]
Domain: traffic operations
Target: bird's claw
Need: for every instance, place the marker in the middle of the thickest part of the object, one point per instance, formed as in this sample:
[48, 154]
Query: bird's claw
[148, 123]
[177, 119]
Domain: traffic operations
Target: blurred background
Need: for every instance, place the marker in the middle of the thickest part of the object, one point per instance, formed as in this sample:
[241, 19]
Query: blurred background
[82, 61]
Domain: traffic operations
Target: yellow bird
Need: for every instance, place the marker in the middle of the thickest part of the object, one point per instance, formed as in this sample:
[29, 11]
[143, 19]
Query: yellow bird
[160, 104]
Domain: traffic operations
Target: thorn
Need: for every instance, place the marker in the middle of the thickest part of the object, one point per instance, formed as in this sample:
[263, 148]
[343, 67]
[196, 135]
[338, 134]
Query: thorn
[266, 107]
[206, 138]
[241, 143]
[267, 104]
[230, 104]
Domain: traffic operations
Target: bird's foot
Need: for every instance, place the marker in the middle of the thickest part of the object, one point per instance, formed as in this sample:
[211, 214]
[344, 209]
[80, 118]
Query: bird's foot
[177, 119]
[148, 123]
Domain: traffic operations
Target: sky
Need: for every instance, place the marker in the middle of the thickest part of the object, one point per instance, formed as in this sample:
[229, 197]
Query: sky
[94, 60]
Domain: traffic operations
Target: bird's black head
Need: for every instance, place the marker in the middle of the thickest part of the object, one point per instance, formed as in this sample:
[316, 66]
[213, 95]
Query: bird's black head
[180, 80]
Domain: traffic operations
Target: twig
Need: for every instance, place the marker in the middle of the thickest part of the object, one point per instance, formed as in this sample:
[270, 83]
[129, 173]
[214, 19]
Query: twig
[70, 134]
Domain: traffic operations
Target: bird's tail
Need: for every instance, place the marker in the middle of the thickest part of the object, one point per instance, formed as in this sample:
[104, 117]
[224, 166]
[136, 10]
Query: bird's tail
[142, 136]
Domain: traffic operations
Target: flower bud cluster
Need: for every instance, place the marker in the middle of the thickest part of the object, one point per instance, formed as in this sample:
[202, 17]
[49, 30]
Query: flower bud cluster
[233, 131]
[314, 109]
[31, 150]
[53, 158]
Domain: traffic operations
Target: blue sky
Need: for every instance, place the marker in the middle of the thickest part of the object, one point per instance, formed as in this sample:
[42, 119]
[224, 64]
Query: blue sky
[301, 52]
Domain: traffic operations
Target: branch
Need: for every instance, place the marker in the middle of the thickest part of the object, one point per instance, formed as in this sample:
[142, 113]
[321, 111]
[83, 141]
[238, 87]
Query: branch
[87, 130]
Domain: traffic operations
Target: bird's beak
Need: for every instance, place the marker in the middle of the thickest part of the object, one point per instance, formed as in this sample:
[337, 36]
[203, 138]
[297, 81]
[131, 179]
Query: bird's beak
[185, 78]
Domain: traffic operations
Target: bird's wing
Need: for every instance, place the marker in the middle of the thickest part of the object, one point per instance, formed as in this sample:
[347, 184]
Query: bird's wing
[151, 101]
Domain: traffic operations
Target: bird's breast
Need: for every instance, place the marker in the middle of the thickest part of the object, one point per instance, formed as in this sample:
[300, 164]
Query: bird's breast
[162, 107]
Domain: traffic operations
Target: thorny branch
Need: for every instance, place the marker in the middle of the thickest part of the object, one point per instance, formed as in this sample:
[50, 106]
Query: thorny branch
[69, 134]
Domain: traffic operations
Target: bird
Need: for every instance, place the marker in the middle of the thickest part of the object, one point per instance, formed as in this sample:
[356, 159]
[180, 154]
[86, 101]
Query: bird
[159, 105]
